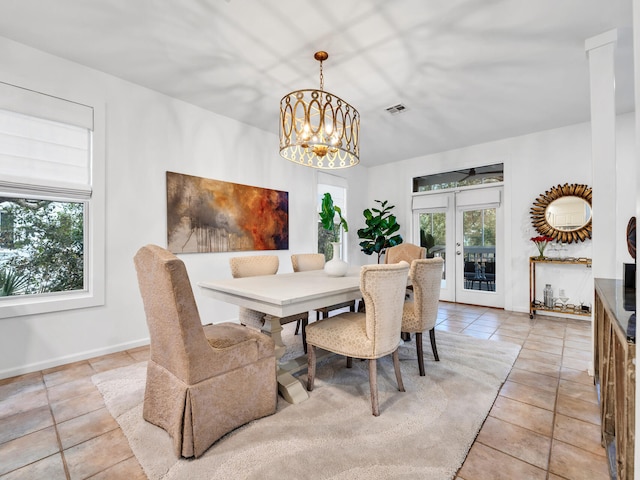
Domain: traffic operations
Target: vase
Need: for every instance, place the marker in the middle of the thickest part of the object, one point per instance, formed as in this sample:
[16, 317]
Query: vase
[336, 267]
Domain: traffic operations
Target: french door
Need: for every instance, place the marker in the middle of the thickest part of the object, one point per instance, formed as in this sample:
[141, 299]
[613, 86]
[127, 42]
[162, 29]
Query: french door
[465, 228]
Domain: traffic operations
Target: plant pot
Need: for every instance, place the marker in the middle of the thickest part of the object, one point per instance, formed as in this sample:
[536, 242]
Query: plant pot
[336, 267]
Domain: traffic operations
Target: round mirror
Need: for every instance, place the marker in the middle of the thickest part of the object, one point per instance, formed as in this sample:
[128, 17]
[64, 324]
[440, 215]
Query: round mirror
[568, 213]
[564, 213]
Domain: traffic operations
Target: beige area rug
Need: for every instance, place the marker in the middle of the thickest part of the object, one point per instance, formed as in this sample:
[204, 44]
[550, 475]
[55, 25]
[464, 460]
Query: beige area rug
[423, 433]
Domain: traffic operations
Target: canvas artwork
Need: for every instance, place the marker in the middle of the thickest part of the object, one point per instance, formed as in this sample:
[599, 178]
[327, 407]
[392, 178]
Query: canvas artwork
[205, 215]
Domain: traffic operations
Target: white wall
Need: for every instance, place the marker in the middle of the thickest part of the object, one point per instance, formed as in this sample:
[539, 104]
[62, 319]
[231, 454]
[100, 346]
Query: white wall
[148, 134]
[533, 164]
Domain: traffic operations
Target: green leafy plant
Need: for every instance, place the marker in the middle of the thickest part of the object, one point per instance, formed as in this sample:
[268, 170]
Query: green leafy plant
[328, 213]
[12, 283]
[428, 241]
[379, 232]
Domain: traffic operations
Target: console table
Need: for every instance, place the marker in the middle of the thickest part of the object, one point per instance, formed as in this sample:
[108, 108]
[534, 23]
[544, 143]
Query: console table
[535, 305]
[614, 368]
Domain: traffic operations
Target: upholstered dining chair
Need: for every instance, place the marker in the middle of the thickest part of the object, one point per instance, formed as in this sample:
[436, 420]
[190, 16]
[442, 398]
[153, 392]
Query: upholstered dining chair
[302, 262]
[420, 313]
[369, 335]
[202, 381]
[251, 266]
[405, 251]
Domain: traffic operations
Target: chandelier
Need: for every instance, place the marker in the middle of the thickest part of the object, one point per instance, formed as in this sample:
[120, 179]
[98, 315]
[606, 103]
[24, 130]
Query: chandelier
[319, 129]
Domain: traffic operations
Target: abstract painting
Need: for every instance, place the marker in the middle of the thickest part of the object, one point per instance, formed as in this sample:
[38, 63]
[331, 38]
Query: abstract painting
[205, 215]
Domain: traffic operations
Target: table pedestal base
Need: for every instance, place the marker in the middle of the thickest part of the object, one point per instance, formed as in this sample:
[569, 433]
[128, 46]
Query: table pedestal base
[290, 387]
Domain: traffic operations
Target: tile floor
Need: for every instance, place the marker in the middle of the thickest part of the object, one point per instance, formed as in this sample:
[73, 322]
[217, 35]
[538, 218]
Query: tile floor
[543, 425]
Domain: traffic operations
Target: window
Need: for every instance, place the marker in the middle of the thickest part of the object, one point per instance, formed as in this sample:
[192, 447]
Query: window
[51, 206]
[460, 178]
[337, 187]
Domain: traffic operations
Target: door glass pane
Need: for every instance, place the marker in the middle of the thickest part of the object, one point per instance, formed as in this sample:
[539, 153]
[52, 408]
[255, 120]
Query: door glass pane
[433, 235]
[479, 249]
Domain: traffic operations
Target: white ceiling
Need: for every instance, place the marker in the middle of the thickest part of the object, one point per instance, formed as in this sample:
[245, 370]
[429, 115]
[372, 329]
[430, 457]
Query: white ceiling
[468, 71]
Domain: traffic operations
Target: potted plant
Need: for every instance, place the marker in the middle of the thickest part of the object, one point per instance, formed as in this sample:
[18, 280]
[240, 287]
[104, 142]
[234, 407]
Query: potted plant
[379, 232]
[336, 266]
[427, 241]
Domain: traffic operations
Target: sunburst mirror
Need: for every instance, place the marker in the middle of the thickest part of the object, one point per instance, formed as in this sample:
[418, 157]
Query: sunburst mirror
[564, 213]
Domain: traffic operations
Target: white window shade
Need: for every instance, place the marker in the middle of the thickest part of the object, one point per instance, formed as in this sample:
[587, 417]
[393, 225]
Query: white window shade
[44, 156]
[28, 102]
[480, 198]
[45, 145]
[430, 202]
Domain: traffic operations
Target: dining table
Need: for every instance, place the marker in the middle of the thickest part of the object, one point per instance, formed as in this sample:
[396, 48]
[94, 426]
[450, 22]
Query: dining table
[282, 295]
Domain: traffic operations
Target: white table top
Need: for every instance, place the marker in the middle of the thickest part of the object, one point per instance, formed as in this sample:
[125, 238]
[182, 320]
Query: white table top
[286, 294]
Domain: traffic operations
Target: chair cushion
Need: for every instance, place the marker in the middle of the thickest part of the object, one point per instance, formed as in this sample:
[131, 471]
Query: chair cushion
[344, 334]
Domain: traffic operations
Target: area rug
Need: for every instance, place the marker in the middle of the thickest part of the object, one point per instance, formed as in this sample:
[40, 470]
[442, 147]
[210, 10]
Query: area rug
[425, 432]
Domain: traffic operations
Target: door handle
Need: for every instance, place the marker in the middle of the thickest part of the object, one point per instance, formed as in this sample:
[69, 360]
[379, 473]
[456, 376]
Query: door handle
[458, 252]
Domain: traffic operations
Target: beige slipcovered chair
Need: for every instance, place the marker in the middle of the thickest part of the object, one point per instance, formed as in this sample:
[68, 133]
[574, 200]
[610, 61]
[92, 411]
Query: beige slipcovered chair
[303, 262]
[202, 381]
[405, 251]
[369, 335]
[252, 266]
[420, 313]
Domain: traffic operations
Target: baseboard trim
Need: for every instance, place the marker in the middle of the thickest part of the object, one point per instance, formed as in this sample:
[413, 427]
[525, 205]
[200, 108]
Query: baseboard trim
[54, 362]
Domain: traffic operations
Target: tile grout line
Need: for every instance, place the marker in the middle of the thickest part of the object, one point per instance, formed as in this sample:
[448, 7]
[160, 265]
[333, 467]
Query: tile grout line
[55, 427]
[555, 407]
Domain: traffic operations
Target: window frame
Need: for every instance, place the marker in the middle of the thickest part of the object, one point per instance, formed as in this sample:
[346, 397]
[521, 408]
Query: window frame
[93, 293]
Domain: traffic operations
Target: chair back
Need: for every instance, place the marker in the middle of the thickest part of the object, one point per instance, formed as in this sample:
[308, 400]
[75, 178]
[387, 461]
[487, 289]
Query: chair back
[426, 276]
[303, 262]
[252, 266]
[383, 289]
[178, 342]
[405, 251]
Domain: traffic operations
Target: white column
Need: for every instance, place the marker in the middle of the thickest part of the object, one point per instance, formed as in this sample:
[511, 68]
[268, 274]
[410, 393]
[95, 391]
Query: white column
[600, 51]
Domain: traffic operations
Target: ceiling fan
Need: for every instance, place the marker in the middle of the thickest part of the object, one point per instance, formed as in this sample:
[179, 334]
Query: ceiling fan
[472, 173]
[483, 171]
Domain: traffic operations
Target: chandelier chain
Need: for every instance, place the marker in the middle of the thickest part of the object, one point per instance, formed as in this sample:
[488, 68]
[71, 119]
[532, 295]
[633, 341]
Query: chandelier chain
[321, 77]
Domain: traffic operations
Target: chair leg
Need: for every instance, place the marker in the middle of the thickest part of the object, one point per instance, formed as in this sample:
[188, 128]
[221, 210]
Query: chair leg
[405, 336]
[396, 367]
[373, 386]
[305, 322]
[297, 327]
[432, 336]
[349, 362]
[311, 367]
[420, 353]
